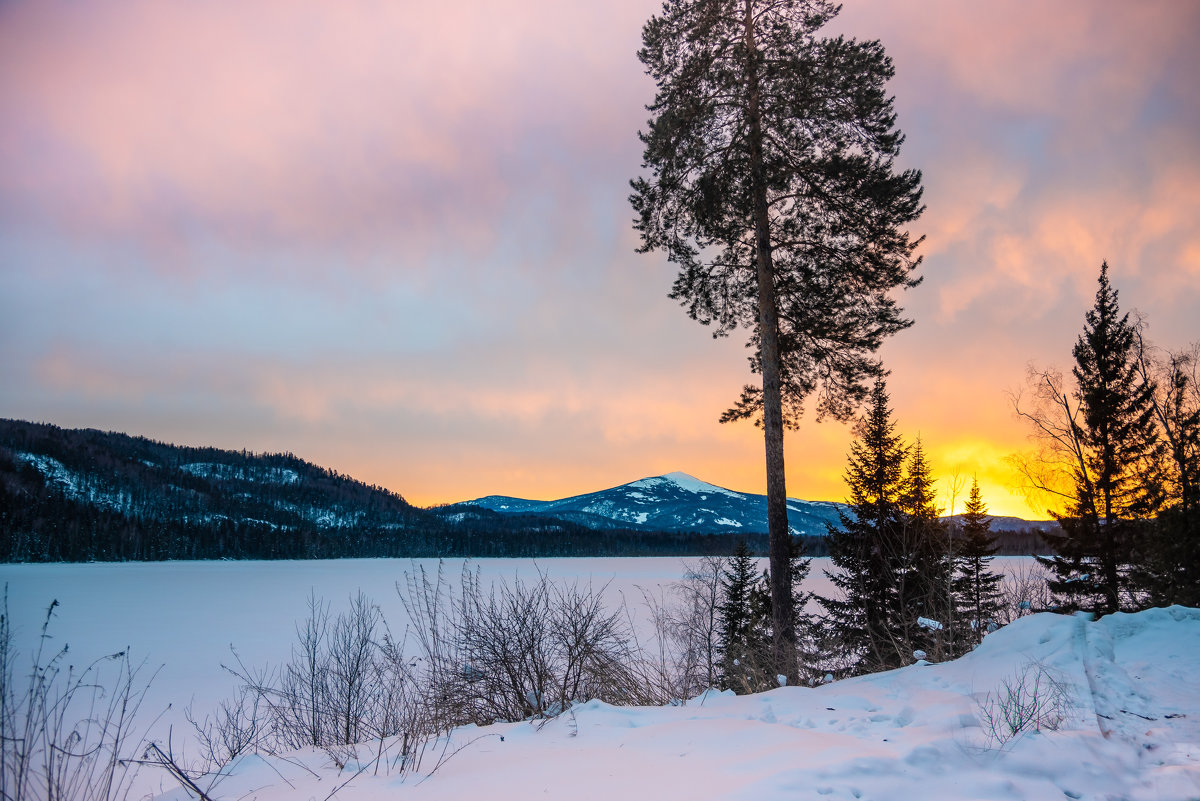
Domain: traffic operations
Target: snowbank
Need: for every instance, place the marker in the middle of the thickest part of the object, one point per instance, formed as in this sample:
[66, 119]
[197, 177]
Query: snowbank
[1131, 730]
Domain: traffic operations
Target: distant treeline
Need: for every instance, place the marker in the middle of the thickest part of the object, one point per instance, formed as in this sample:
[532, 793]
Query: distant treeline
[51, 528]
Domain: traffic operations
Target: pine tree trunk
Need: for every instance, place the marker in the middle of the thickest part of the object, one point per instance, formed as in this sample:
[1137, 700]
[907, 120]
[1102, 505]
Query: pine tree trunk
[782, 618]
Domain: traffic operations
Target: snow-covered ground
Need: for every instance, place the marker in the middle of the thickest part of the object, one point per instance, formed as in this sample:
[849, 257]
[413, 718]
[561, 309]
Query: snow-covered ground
[1133, 729]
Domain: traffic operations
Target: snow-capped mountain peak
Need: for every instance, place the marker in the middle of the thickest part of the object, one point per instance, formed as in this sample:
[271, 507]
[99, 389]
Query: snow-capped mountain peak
[672, 502]
[685, 482]
[679, 501]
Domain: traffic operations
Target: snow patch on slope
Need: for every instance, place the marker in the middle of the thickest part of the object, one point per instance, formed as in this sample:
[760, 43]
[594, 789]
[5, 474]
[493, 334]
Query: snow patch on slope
[53, 470]
[270, 475]
[73, 485]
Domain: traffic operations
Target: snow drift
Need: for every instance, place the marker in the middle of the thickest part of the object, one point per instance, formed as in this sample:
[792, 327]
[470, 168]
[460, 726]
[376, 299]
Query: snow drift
[1127, 726]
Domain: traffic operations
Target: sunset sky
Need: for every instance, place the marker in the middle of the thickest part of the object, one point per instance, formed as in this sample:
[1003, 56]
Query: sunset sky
[394, 237]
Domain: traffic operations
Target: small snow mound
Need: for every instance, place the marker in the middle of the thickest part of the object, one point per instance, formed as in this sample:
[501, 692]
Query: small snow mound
[1028, 634]
[712, 693]
[1127, 625]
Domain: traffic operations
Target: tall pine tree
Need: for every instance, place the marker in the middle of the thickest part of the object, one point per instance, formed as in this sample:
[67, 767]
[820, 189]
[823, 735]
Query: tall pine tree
[773, 187]
[1116, 474]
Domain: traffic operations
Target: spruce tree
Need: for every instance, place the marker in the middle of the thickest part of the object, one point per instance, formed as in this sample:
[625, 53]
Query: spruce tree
[738, 626]
[1116, 478]
[976, 587]
[773, 187]
[863, 617]
[921, 556]
[760, 610]
[1167, 570]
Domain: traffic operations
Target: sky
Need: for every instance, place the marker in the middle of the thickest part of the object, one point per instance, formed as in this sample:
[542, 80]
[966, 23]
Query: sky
[394, 238]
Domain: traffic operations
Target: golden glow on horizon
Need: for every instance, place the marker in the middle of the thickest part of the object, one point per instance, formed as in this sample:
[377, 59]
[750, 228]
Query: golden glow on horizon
[1000, 499]
[817, 478]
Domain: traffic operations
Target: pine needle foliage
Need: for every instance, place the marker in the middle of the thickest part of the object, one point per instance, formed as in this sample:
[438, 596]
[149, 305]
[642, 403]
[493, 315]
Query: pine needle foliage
[921, 556]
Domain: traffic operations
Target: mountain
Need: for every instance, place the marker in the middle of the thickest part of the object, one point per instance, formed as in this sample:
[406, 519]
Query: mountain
[673, 502]
[680, 502]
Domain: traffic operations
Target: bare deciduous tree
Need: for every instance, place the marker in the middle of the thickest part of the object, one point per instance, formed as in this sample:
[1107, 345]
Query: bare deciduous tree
[1052, 470]
[695, 625]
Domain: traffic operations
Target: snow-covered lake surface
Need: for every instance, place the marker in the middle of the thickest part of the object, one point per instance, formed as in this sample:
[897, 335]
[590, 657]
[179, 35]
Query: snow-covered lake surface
[1133, 730]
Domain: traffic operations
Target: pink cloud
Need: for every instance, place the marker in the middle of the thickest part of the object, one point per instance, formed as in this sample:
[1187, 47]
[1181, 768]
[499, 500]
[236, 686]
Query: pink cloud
[319, 122]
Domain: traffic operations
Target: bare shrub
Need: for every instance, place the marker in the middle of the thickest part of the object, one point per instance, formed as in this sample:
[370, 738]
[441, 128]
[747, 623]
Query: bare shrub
[402, 710]
[505, 641]
[675, 664]
[348, 682]
[595, 652]
[66, 732]
[1022, 592]
[428, 602]
[519, 650]
[354, 684]
[233, 729]
[693, 626]
[295, 700]
[1033, 699]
